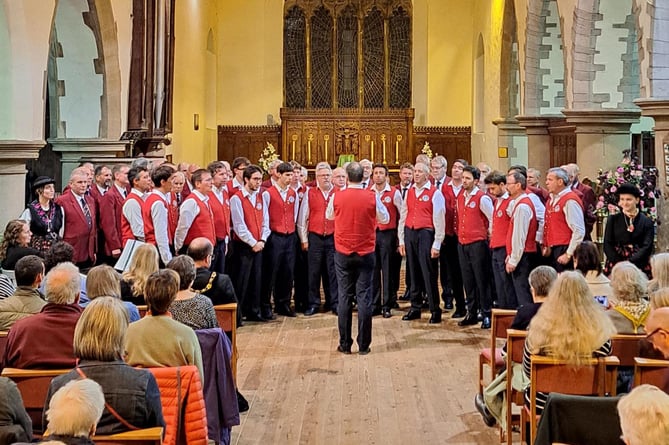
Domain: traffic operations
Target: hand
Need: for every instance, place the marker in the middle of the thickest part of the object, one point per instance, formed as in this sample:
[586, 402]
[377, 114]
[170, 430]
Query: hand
[545, 251]
[563, 259]
[434, 253]
[402, 250]
[116, 253]
[305, 246]
[510, 268]
[258, 246]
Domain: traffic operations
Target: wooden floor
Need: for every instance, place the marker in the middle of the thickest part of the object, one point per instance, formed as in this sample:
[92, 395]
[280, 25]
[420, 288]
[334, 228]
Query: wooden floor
[417, 386]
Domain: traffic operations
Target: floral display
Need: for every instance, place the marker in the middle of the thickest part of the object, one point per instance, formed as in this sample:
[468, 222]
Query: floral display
[427, 150]
[268, 155]
[631, 171]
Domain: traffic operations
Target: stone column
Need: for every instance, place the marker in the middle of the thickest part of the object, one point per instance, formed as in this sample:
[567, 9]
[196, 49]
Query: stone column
[601, 137]
[13, 156]
[512, 136]
[538, 141]
[73, 151]
[658, 109]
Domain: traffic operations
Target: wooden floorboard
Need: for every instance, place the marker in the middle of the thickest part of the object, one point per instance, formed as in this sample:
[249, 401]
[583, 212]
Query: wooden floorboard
[416, 386]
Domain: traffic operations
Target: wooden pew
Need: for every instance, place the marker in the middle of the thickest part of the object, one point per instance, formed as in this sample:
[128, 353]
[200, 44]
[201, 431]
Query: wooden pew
[226, 314]
[146, 436]
[3, 342]
[515, 343]
[626, 347]
[652, 372]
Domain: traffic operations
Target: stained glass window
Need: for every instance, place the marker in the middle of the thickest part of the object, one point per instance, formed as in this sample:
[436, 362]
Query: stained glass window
[294, 58]
[373, 59]
[347, 54]
[400, 59]
[321, 58]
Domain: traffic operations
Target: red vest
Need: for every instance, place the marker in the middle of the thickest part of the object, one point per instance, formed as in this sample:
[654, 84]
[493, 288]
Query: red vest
[355, 218]
[221, 212]
[318, 224]
[472, 223]
[530, 241]
[556, 230]
[282, 214]
[500, 224]
[450, 201]
[387, 200]
[126, 230]
[253, 215]
[149, 229]
[203, 224]
[419, 209]
[232, 191]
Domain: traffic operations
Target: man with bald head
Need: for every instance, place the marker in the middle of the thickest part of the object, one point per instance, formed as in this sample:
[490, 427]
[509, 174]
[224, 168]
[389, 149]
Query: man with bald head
[657, 334]
[217, 286]
[339, 178]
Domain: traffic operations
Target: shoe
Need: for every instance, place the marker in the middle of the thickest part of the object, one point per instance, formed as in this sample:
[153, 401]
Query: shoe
[255, 317]
[448, 306]
[343, 350]
[459, 313]
[286, 312]
[311, 311]
[481, 407]
[386, 313]
[268, 315]
[405, 297]
[485, 323]
[413, 314]
[469, 320]
[479, 316]
[435, 318]
[364, 351]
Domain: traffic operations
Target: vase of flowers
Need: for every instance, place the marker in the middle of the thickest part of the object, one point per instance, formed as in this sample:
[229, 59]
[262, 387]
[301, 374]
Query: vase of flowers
[427, 150]
[267, 156]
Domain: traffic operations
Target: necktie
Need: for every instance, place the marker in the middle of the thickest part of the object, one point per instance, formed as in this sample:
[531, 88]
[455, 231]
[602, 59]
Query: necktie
[404, 192]
[87, 212]
[124, 193]
[438, 183]
[178, 199]
[364, 184]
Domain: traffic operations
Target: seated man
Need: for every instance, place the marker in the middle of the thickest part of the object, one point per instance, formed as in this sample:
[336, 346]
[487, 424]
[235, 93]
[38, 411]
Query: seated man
[74, 412]
[44, 340]
[62, 252]
[27, 299]
[157, 340]
[644, 416]
[218, 287]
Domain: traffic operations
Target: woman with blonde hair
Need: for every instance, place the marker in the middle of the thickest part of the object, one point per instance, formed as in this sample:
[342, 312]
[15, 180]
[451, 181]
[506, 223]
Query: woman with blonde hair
[143, 264]
[659, 298]
[659, 266]
[630, 310]
[570, 326]
[104, 281]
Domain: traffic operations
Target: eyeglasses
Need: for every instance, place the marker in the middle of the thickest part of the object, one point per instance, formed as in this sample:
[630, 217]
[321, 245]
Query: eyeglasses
[655, 331]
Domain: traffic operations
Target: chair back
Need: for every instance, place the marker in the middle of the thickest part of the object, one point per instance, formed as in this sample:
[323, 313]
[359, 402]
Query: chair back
[501, 321]
[146, 436]
[226, 314]
[652, 372]
[33, 384]
[142, 309]
[3, 343]
[515, 343]
[625, 347]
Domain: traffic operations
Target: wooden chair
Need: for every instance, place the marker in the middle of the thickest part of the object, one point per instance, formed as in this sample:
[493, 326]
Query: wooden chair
[146, 436]
[515, 343]
[33, 384]
[597, 376]
[492, 356]
[652, 372]
[226, 314]
[3, 343]
[626, 347]
[143, 309]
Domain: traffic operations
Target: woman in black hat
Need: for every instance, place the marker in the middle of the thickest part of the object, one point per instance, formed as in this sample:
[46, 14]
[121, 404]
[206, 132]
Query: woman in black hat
[629, 234]
[45, 217]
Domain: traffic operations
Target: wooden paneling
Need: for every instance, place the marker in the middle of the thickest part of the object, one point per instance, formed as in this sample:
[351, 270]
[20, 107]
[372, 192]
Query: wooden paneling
[563, 142]
[249, 141]
[450, 142]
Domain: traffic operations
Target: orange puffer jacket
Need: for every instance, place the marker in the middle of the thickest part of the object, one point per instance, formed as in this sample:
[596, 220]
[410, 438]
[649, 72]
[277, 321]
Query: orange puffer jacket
[182, 399]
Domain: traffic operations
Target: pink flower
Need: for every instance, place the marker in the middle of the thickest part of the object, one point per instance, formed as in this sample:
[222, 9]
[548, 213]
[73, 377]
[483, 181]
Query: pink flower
[600, 204]
[620, 170]
[613, 189]
[653, 209]
[601, 198]
[651, 195]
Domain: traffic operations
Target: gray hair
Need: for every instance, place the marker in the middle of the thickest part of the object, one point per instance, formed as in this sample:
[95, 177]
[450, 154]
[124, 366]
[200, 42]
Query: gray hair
[560, 173]
[75, 409]
[644, 416]
[422, 167]
[440, 160]
[323, 166]
[63, 284]
[628, 282]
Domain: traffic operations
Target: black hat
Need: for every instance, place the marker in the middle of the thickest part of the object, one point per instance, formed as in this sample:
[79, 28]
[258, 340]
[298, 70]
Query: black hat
[42, 181]
[628, 189]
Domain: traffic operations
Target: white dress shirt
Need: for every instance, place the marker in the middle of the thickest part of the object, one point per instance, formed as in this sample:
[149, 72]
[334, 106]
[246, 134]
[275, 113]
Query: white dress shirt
[132, 211]
[521, 224]
[159, 217]
[187, 213]
[382, 215]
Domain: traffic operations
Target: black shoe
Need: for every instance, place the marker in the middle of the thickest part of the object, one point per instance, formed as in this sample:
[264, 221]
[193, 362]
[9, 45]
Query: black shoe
[386, 313]
[481, 407]
[413, 314]
[286, 311]
[448, 306]
[255, 317]
[268, 315]
[485, 323]
[479, 316]
[405, 297]
[365, 351]
[311, 311]
[344, 350]
[435, 318]
[459, 313]
[469, 320]
[242, 403]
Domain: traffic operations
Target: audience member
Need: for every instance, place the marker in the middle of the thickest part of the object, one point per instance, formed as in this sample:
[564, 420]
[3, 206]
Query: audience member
[190, 308]
[15, 424]
[74, 412]
[99, 345]
[659, 266]
[44, 340]
[27, 300]
[659, 298]
[644, 416]
[629, 309]
[541, 280]
[588, 262]
[657, 328]
[63, 252]
[104, 281]
[143, 264]
[158, 340]
[218, 287]
[16, 243]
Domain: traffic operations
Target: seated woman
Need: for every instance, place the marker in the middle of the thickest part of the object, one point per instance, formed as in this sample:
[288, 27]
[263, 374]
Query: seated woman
[644, 416]
[99, 340]
[570, 326]
[630, 308]
[157, 340]
[659, 266]
[104, 281]
[588, 262]
[659, 298]
[143, 264]
[15, 424]
[16, 244]
[190, 308]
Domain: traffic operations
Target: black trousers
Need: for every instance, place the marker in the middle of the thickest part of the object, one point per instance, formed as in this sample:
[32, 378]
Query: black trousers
[300, 277]
[354, 273]
[278, 267]
[504, 288]
[422, 267]
[218, 262]
[384, 286]
[520, 278]
[556, 252]
[476, 273]
[320, 257]
[246, 273]
[449, 272]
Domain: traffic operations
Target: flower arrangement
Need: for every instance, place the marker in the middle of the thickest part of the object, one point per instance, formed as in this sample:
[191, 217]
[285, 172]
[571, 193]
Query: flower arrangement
[268, 156]
[631, 171]
[427, 150]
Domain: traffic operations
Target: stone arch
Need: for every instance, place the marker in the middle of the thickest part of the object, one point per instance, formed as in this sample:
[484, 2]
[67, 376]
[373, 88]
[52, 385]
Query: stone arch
[509, 99]
[544, 60]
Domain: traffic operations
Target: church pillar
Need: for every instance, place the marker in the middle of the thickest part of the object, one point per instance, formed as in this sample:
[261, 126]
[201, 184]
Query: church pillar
[13, 156]
[538, 141]
[601, 137]
[512, 136]
[73, 150]
[658, 109]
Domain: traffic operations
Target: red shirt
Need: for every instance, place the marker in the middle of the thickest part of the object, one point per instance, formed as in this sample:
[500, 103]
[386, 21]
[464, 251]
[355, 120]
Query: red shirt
[355, 221]
[221, 212]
